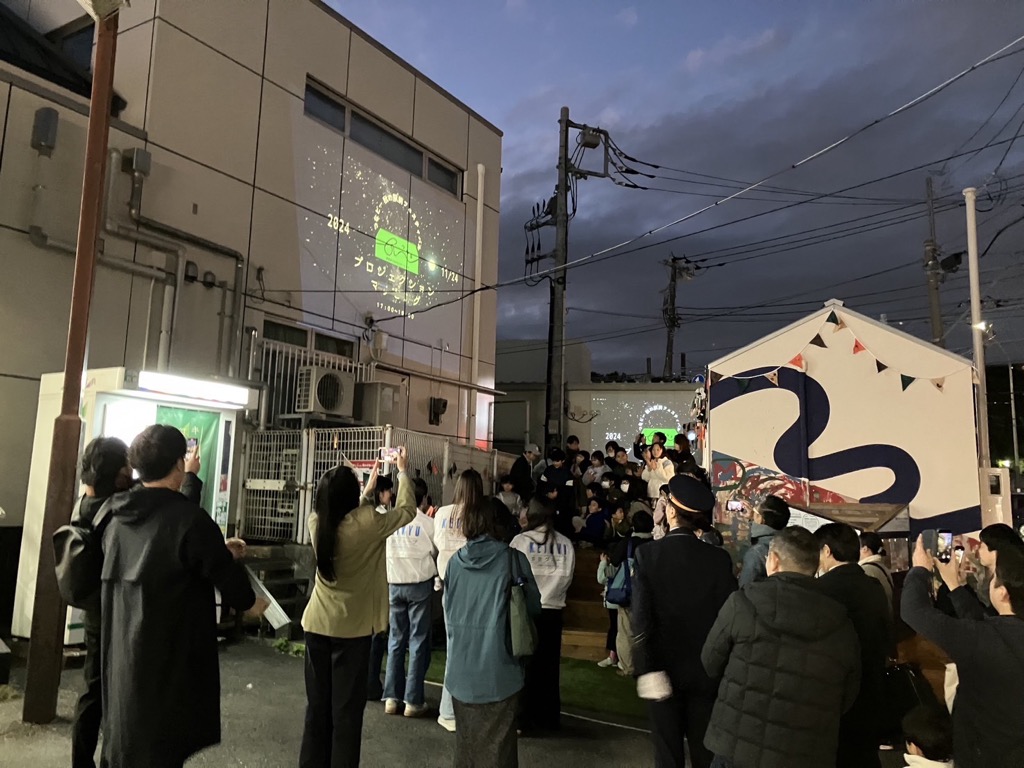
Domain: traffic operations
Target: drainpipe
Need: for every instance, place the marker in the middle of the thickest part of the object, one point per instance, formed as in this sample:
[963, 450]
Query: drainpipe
[138, 174]
[481, 172]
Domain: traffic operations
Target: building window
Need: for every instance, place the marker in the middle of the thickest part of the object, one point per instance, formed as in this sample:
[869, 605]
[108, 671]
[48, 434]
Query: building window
[286, 334]
[442, 176]
[319, 105]
[332, 345]
[387, 145]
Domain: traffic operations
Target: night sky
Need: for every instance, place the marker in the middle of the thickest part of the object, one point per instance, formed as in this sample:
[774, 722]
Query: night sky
[738, 90]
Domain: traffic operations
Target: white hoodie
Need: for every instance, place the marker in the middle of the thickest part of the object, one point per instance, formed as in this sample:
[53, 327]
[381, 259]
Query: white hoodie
[916, 761]
[411, 552]
[552, 560]
[448, 536]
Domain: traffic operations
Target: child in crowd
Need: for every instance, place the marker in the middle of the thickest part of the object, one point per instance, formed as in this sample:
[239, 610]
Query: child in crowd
[927, 731]
[510, 498]
[605, 573]
[660, 519]
[597, 469]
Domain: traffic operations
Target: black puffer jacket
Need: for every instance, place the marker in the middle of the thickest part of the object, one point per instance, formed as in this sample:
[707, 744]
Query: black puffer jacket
[791, 665]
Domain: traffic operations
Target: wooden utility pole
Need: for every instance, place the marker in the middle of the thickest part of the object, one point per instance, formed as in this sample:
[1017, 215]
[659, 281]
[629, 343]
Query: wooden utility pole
[671, 316]
[554, 418]
[934, 271]
[46, 646]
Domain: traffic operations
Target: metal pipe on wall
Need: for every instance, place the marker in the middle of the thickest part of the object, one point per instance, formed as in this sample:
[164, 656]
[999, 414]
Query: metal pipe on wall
[481, 173]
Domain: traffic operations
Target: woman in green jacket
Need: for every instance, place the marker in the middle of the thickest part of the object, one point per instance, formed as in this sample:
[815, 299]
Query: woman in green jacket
[483, 676]
[348, 605]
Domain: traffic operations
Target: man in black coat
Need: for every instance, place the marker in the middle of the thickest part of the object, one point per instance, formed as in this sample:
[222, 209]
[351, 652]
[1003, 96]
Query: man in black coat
[845, 581]
[989, 655]
[522, 472]
[162, 557]
[679, 587]
[791, 665]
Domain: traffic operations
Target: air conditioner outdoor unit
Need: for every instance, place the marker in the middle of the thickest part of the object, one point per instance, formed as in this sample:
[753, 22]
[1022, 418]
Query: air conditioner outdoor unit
[379, 403]
[321, 390]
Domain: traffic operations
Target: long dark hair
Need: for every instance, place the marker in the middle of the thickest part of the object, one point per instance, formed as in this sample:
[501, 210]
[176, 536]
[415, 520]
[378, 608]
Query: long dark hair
[337, 494]
[481, 519]
[469, 496]
[538, 514]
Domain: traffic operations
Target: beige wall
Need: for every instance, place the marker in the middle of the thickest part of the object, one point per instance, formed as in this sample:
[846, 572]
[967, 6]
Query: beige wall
[217, 89]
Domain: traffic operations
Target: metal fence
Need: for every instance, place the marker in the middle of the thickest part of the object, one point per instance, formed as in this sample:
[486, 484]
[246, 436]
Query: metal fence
[283, 468]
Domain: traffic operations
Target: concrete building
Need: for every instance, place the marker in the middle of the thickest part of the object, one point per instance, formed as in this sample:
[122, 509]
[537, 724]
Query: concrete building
[278, 182]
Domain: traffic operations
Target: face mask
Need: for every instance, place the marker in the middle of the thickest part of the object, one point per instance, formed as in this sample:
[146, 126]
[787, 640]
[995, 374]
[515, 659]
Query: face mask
[606, 485]
[624, 487]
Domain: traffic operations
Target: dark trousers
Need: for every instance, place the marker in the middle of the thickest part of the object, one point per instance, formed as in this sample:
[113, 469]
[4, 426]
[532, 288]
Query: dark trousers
[335, 700]
[675, 718]
[378, 650]
[613, 630]
[486, 735]
[85, 732]
[541, 702]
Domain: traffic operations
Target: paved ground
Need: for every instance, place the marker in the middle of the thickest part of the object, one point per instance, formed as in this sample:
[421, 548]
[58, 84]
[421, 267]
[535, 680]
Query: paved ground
[262, 707]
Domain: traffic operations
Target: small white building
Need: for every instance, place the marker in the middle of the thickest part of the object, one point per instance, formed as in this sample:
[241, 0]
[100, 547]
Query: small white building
[841, 411]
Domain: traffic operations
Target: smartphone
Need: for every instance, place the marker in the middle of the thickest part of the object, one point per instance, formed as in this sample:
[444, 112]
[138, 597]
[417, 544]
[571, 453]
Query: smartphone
[959, 554]
[930, 539]
[944, 546]
[388, 454]
[193, 443]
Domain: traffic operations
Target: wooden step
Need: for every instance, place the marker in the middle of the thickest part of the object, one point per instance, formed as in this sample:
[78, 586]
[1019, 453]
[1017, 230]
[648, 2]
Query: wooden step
[590, 615]
[584, 645]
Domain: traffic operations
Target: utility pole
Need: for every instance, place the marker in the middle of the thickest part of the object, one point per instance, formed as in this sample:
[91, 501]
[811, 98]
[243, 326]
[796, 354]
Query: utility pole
[555, 394]
[934, 271]
[1013, 429]
[46, 645]
[671, 315]
[978, 328]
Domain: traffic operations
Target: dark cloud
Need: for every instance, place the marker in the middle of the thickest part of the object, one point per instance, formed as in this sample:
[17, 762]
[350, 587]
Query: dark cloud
[747, 106]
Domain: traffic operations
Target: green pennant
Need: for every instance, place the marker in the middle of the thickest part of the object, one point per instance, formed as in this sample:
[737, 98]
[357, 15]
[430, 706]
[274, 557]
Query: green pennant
[744, 384]
[906, 381]
[833, 318]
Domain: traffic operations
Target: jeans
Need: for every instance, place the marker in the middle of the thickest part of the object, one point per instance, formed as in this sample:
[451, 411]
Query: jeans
[447, 706]
[410, 630]
[335, 700]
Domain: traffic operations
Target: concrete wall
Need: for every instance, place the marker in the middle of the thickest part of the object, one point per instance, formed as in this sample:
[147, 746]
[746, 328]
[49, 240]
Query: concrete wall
[215, 94]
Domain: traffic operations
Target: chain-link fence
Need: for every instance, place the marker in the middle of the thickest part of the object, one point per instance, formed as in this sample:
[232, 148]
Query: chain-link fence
[427, 459]
[272, 483]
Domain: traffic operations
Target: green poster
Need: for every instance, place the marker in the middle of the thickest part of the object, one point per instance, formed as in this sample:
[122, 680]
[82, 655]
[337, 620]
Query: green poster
[200, 428]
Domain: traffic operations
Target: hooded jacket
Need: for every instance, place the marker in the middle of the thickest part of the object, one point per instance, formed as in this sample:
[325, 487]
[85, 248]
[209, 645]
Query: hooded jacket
[790, 665]
[163, 555]
[755, 558]
[552, 561]
[481, 668]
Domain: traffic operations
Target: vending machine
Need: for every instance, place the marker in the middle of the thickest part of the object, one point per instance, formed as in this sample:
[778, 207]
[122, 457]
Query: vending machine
[119, 402]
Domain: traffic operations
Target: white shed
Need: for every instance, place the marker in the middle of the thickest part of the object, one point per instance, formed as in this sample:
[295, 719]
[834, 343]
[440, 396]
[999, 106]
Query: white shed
[841, 411]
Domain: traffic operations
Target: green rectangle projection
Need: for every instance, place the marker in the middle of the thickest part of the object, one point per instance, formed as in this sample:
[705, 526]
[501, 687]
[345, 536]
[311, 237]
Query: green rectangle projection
[398, 251]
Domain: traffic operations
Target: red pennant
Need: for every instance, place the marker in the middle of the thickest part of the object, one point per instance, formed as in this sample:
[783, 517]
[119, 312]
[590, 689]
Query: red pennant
[797, 362]
[858, 347]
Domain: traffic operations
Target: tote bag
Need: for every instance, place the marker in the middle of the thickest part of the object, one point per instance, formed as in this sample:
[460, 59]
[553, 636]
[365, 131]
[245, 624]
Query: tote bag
[522, 630]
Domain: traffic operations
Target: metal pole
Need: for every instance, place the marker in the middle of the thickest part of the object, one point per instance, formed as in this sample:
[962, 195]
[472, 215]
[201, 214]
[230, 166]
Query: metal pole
[670, 317]
[977, 329]
[46, 646]
[1013, 429]
[556, 338]
[931, 265]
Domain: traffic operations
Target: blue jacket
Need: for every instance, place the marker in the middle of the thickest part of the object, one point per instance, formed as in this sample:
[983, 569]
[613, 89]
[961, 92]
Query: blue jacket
[481, 668]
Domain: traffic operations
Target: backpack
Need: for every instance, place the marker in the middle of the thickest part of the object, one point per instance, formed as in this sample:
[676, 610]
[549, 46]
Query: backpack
[78, 560]
[620, 589]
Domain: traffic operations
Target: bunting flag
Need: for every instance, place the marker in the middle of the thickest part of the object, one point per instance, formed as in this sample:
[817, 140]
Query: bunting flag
[858, 347]
[939, 384]
[839, 326]
[906, 381]
[744, 384]
[714, 378]
[882, 367]
[773, 377]
[833, 318]
[819, 342]
[797, 362]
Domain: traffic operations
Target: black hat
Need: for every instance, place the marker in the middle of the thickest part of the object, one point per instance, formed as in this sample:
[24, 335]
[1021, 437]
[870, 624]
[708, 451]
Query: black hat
[691, 495]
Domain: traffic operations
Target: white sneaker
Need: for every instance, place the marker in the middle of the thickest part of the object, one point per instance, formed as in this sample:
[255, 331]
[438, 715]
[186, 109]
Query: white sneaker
[448, 725]
[606, 662]
[411, 710]
[391, 707]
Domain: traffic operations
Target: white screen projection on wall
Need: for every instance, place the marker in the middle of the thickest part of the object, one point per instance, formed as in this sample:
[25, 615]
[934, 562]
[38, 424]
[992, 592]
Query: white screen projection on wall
[622, 416]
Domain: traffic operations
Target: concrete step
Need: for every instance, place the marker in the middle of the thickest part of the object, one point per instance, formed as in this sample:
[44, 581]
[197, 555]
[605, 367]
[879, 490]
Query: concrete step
[586, 614]
[583, 644]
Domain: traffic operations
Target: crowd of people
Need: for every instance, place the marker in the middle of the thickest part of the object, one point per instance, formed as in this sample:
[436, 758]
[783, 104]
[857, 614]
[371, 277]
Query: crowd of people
[781, 660]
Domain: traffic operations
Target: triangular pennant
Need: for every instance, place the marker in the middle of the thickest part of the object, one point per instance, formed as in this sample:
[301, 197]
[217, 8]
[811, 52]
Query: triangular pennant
[839, 326]
[906, 381]
[819, 342]
[881, 366]
[744, 384]
[939, 384]
[858, 347]
[714, 378]
[797, 362]
[773, 377]
[833, 318]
